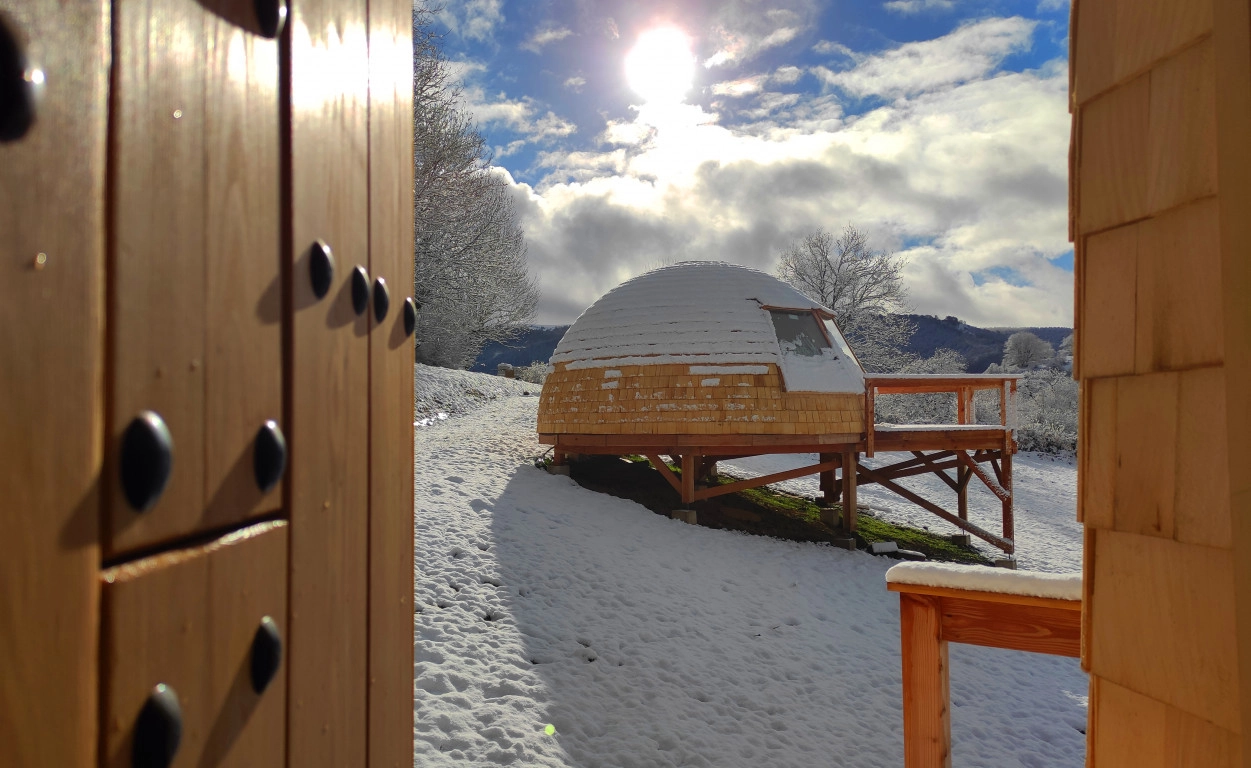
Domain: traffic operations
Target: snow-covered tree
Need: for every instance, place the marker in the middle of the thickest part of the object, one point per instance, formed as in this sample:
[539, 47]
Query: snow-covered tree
[863, 287]
[1025, 350]
[471, 276]
[922, 409]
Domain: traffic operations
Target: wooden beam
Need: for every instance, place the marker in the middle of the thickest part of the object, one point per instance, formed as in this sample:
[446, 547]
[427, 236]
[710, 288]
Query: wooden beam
[985, 597]
[1003, 542]
[1008, 532]
[1037, 629]
[849, 491]
[926, 684]
[928, 463]
[664, 470]
[994, 487]
[756, 482]
[689, 463]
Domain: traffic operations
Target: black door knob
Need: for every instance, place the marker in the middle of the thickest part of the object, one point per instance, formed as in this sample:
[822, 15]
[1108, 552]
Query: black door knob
[410, 316]
[271, 15]
[266, 654]
[360, 289]
[269, 455]
[20, 85]
[382, 299]
[158, 729]
[320, 268]
[147, 460]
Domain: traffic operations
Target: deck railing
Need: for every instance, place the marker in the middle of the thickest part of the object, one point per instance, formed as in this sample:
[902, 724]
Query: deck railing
[963, 386]
[941, 604]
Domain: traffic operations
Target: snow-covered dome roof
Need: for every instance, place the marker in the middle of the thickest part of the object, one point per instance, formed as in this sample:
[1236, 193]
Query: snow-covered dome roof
[701, 312]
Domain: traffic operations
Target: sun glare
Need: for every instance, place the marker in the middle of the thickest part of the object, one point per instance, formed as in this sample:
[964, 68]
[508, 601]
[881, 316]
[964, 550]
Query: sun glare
[661, 68]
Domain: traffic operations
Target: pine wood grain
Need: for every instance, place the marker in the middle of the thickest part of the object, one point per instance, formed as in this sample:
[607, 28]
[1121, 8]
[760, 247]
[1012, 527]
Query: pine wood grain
[1201, 504]
[1108, 307]
[242, 260]
[187, 618]
[1176, 329]
[157, 261]
[51, 387]
[1182, 136]
[329, 388]
[1146, 454]
[1112, 174]
[926, 684]
[391, 447]
[1097, 479]
[1161, 625]
[1136, 730]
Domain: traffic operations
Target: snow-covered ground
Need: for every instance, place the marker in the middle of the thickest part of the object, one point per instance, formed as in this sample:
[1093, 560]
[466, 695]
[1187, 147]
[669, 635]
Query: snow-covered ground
[648, 642]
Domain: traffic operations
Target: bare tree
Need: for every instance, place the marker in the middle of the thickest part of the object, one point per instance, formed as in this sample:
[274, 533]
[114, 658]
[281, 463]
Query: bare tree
[863, 287]
[1025, 350]
[471, 275]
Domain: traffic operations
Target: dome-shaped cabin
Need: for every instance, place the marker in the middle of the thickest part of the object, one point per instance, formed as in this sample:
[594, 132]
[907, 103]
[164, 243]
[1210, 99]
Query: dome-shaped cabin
[704, 348]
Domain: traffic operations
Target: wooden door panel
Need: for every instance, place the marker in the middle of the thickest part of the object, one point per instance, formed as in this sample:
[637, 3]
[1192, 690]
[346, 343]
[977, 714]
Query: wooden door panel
[329, 386]
[196, 296]
[188, 619]
[243, 336]
[51, 388]
[391, 388]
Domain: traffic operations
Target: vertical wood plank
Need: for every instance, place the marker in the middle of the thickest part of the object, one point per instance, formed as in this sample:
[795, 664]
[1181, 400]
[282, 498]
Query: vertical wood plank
[1146, 451]
[1097, 497]
[1110, 265]
[926, 684]
[243, 340]
[1112, 176]
[850, 512]
[328, 53]
[390, 734]
[157, 300]
[51, 387]
[1201, 504]
[187, 618]
[1182, 136]
[1178, 262]
[1232, 50]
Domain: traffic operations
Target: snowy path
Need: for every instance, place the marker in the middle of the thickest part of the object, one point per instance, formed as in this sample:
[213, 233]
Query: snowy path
[648, 642]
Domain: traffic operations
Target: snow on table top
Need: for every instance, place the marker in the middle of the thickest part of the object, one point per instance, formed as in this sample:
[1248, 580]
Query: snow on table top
[702, 313]
[931, 427]
[980, 578]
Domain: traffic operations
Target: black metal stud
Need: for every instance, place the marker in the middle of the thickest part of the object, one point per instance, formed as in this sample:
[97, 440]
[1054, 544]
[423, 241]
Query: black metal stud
[382, 299]
[320, 268]
[269, 455]
[266, 654]
[410, 316]
[158, 730]
[360, 290]
[271, 15]
[20, 85]
[147, 460]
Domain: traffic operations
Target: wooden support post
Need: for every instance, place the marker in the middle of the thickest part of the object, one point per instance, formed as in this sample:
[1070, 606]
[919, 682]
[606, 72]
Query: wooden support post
[926, 684]
[690, 462]
[849, 491]
[962, 412]
[828, 482]
[1006, 476]
[868, 420]
[962, 491]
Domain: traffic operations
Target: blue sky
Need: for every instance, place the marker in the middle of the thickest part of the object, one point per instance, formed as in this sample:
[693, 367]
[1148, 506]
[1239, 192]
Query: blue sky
[940, 127]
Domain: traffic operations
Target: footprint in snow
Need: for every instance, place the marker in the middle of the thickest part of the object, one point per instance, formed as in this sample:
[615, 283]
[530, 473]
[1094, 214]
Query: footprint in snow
[455, 479]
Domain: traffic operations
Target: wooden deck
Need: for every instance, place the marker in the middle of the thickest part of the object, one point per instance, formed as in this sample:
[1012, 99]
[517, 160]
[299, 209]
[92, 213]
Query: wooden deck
[970, 450]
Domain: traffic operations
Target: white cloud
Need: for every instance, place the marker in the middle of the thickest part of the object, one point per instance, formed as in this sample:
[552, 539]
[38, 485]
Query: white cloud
[575, 83]
[970, 52]
[786, 75]
[976, 172]
[743, 87]
[827, 47]
[521, 116]
[917, 6]
[473, 19]
[543, 37]
[1052, 5]
[741, 31]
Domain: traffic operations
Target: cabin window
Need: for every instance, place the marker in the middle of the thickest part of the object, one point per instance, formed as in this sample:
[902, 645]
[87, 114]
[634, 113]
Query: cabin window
[799, 332]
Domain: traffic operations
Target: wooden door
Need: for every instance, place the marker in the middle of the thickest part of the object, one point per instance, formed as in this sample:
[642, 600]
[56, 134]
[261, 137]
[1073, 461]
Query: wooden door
[391, 385]
[51, 367]
[200, 622]
[196, 293]
[329, 387]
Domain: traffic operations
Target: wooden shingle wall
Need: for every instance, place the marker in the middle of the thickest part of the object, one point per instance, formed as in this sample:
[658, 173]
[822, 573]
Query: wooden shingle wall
[668, 399]
[1158, 209]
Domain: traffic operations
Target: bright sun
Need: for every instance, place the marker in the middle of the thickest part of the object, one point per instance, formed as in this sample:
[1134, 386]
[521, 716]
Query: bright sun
[661, 67]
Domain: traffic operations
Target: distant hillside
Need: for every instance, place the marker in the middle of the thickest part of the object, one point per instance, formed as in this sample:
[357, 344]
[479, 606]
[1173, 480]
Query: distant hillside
[979, 346]
[537, 343]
